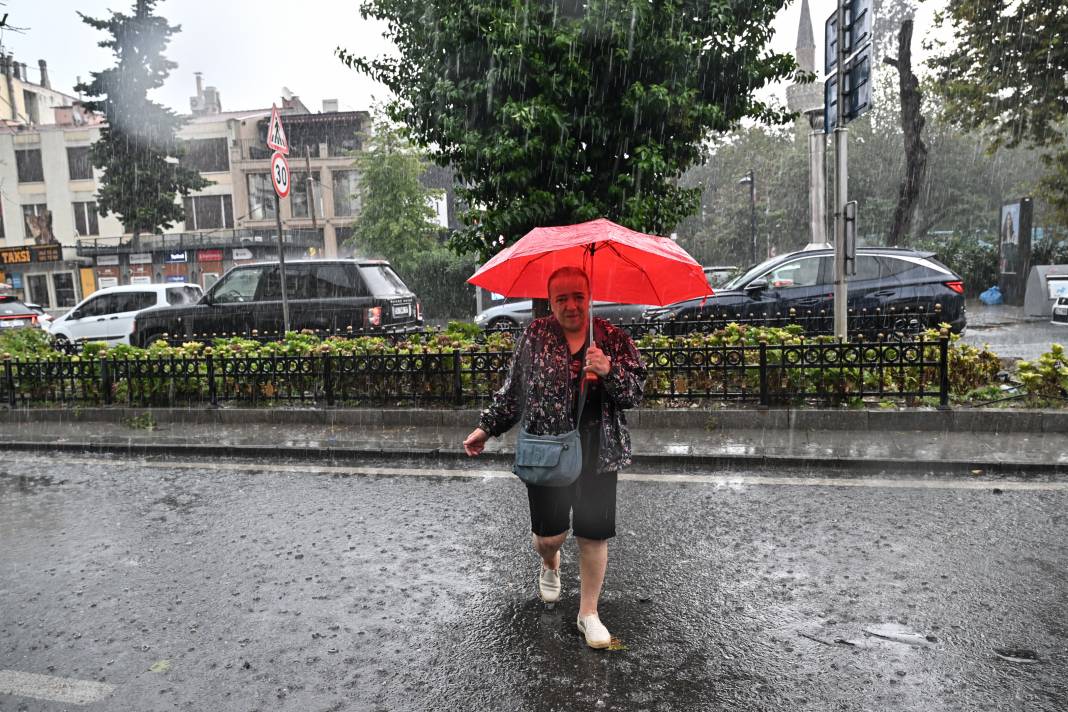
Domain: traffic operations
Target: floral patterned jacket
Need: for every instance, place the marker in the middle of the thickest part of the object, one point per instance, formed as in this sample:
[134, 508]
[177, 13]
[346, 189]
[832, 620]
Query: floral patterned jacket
[539, 388]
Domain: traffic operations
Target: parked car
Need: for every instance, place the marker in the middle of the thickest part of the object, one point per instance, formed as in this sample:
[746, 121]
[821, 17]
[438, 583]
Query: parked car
[329, 295]
[15, 313]
[886, 278]
[1060, 311]
[519, 313]
[108, 314]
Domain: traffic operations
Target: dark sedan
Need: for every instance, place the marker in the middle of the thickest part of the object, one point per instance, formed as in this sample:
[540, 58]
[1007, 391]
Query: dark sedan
[906, 281]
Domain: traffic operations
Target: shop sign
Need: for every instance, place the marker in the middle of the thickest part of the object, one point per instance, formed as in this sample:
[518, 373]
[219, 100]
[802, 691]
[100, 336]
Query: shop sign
[242, 253]
[105, 282]
[141, 258]
[107, 271]
[176, 278]
[103, 260]
[140, 280]
[16, 281]
[210, 256]
[176, 257]
[30, 253]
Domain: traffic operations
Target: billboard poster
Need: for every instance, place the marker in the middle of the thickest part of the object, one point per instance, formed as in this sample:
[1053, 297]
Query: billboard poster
[1014, 249]
[1010, 237]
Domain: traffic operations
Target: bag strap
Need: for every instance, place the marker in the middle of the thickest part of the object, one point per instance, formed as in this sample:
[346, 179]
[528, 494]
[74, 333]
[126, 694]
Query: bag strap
[582, 387]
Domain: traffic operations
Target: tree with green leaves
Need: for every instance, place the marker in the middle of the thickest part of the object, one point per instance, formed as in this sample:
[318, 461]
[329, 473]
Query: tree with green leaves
[1005, 74]
[396, 220]
[138, 149]
[557, 112]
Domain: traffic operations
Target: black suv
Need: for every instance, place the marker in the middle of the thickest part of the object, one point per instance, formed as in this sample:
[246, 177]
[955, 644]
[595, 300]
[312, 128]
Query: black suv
[328, 295]
[887, 278]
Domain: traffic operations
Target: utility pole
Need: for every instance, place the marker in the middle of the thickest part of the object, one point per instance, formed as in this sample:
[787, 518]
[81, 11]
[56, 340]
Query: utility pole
[751, 180]
[841, 181]
[311, 186]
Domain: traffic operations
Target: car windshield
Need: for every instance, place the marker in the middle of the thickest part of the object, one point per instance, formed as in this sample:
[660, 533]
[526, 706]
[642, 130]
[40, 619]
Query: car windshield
[751, 273]
[381, 280]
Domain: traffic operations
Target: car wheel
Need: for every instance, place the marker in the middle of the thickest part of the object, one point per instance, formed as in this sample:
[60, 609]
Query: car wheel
[63, 344]
[501, 323]
[153, 339]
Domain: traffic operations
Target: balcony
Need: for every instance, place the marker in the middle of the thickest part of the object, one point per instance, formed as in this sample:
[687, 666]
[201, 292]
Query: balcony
[214, 239]
[256, 150]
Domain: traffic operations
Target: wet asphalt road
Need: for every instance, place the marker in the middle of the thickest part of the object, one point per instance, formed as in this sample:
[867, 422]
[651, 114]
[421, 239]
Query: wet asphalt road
[250, 587]
[1022, 340]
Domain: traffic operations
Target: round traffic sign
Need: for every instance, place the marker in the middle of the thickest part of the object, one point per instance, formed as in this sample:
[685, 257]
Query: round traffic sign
[280, 174]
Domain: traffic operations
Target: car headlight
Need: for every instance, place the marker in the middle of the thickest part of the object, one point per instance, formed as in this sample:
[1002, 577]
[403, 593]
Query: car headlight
[480, 318]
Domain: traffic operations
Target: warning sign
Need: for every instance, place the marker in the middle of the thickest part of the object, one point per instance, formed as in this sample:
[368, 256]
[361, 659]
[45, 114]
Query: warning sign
[276, 135]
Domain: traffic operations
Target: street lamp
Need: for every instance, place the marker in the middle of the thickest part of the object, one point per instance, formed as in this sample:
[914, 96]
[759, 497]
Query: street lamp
[748, 178]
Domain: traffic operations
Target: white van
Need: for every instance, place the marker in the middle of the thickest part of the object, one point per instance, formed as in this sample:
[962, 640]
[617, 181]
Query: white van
[108, 314]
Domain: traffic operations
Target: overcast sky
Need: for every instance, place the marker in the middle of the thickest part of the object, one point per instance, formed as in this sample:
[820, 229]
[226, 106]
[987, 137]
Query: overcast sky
[250, 49]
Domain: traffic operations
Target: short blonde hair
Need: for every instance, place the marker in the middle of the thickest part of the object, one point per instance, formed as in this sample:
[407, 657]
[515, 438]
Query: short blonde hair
[568, 271]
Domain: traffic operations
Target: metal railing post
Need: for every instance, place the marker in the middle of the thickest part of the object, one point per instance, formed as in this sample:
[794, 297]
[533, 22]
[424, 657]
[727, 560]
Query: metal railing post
[943, 368]
[105, 380]
[457, 379]
[764, 400]
[9, 381]
[328, 382]
[213, 396]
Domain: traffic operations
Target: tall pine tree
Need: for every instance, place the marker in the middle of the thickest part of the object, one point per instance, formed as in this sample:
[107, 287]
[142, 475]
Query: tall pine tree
[138, 147]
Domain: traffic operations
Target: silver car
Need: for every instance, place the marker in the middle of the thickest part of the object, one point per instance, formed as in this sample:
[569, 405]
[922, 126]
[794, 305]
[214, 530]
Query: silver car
[518, 313]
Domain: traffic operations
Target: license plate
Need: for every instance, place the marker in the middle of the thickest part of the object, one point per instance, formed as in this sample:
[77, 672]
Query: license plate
[402, 310]
[12, 322]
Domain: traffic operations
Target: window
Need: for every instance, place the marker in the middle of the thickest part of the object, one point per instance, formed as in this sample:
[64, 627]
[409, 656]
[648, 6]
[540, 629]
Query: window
[868, 267]
[207, 155]
[239, 286]
[804, 272]
[64, 285]
[177, 296]
[85, 219]
[337, 281]
[298, 283]
[98, 306]
[209, 212]
[134, 301]
[30, 215]
[345, 201]
[28, 166]
[298, 194]
[260, 197]
[79, 164]
[37, 290]
[382, 280]
[33, 111]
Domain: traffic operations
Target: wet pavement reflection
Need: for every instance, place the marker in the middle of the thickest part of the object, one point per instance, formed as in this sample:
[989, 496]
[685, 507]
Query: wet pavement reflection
[259, 588]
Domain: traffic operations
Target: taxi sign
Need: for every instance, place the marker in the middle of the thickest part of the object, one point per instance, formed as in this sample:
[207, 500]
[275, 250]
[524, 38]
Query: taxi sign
[276, 135]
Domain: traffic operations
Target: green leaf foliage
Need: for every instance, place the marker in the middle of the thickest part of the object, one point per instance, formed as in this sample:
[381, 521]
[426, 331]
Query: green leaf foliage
[1005, 73]
[139, 184]
[556, 112]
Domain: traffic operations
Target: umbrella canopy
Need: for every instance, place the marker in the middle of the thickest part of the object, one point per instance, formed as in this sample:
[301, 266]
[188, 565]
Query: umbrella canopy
[623, 265]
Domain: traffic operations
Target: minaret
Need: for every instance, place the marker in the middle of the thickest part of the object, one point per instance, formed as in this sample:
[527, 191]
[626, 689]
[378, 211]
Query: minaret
[807, 99]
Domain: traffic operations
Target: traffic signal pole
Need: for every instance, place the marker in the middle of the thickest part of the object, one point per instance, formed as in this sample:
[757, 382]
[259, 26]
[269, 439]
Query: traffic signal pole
[841, 184]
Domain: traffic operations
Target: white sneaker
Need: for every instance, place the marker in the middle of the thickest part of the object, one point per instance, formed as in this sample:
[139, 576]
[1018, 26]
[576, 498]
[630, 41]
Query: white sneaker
[549, 584]
[597, 636]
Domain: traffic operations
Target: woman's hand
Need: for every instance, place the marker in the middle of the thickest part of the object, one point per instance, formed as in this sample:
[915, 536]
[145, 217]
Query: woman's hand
[597, 362]
[476, 442]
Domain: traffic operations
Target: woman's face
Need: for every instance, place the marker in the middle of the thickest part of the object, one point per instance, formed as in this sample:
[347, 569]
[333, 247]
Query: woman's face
[568, 300]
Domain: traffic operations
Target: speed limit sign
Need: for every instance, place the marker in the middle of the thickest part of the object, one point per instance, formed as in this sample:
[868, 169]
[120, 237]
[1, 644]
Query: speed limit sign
[280, 174]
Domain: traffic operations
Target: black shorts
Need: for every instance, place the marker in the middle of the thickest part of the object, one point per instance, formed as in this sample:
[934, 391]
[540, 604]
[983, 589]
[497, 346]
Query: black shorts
[592, 498]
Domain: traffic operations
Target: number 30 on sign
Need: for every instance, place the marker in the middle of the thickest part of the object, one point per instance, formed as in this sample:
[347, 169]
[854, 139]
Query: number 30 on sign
[280, 174]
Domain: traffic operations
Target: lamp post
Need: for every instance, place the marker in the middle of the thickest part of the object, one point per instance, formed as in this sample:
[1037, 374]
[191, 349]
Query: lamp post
[748, 178]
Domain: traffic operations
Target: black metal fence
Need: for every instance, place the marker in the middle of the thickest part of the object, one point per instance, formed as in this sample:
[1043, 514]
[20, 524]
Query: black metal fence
[764, 373]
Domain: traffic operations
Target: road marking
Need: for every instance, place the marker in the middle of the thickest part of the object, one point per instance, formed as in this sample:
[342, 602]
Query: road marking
[53, 689]
[975, 483]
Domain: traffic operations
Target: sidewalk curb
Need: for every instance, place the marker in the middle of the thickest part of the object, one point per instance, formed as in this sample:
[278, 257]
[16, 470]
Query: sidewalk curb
[679, 464]
[971, 420]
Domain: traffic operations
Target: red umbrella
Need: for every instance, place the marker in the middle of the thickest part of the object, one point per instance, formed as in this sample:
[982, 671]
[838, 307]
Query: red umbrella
[623, 265]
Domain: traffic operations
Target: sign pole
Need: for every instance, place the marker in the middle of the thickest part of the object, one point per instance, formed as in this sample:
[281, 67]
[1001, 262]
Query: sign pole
[841, 184]
[282, 264]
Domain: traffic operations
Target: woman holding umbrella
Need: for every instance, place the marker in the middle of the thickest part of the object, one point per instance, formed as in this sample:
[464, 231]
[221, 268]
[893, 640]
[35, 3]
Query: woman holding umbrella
[560, 353]
[551, 363]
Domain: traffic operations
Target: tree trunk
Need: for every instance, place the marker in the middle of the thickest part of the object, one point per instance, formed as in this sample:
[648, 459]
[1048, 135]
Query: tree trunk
[912, 123]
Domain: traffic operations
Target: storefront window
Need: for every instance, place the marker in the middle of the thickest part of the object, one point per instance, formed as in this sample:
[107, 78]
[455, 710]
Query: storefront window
[64, 285]
[37, 290]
